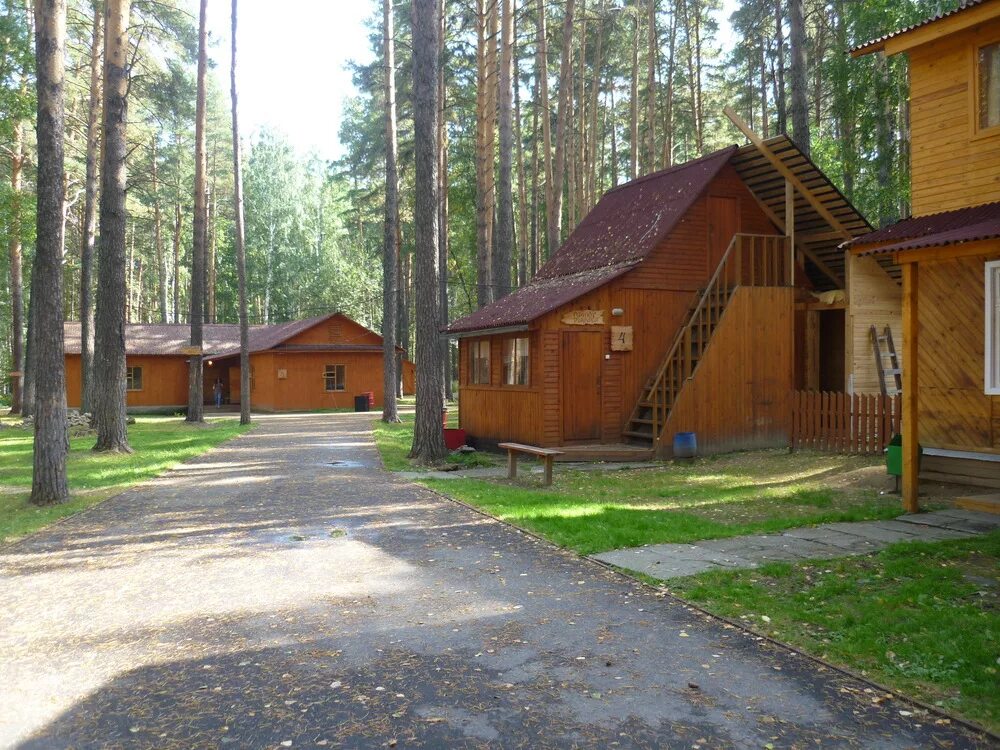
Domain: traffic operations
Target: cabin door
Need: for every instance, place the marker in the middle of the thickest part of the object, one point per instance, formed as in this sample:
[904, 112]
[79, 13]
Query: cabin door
[581, 392]
[723, 223]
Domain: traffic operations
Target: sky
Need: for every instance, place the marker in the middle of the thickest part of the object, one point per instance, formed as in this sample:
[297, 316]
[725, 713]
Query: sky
[292, 63]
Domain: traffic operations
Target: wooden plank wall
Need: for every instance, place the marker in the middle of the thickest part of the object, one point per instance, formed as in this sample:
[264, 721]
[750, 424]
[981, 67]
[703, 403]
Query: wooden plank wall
[164, 381]
[740, 395]
[955, 413]
[873, 299]
[951, 166]
[843, 422]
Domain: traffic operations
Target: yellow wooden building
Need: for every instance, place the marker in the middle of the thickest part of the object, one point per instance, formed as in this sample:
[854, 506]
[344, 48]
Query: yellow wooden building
[949, 251]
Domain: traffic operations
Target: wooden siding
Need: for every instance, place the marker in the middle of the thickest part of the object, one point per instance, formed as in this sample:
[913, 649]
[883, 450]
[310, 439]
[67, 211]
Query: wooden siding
[740, 394]
[955, 412]
[164, 382]
[952, 166]
[873, 299]
[337, 330]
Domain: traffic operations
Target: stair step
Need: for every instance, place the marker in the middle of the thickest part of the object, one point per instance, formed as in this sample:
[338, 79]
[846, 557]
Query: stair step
[641, 420]
[894, 371]
[639, 435]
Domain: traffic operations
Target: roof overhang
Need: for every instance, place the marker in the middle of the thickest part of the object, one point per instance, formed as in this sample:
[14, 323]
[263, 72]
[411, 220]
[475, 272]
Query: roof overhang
[485, 332]
[970, 13]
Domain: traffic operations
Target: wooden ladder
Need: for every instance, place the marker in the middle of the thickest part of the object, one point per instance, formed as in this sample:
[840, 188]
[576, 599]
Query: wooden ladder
[893, 370]
[750, 260]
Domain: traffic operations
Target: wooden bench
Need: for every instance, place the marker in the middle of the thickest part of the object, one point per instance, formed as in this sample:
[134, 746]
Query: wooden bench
[546, 454]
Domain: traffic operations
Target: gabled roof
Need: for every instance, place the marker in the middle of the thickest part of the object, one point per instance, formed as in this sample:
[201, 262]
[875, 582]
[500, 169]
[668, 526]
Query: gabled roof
[876, 45]
[625, 226]
[221, 339]
[630, 221]
[936, 230]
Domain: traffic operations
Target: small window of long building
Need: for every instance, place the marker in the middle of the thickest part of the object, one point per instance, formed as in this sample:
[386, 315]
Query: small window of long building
[516, 361]
[333, 378]
[133, 378]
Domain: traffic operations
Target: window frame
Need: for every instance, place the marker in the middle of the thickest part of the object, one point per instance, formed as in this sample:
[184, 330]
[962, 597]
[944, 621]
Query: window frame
[475, 348]
[978, 131]
[504, 379]
[130, 379]
[991, 325]
[338, 374]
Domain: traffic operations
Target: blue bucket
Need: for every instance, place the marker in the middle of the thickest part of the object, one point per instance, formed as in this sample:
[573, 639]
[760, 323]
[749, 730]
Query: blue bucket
[685, 445]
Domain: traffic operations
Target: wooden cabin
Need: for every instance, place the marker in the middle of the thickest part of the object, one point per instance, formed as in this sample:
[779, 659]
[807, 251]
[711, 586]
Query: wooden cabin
[318, 363]
[694, 299]
[949, 250]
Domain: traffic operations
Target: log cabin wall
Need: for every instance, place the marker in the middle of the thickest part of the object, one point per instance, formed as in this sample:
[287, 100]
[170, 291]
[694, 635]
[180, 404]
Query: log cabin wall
[740, 395]
[952, 165]
[654, 298]
[164, 382]
[873, 299]
[955, 412]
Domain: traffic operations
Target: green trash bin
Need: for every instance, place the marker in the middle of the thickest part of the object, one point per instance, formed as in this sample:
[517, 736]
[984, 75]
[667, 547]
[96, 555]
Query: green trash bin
[894, 458]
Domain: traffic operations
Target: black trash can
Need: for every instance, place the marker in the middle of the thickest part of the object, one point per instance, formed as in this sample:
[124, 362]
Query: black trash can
[361, 402]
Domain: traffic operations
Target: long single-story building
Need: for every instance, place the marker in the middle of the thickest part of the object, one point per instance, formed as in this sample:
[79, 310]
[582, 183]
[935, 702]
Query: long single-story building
[317, 363]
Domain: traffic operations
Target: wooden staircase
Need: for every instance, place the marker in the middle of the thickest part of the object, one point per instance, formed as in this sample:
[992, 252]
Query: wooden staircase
[750, 260]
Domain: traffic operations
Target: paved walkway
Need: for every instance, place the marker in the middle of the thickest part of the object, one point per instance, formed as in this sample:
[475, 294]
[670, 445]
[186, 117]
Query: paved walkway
[666, 561]
[261, 598]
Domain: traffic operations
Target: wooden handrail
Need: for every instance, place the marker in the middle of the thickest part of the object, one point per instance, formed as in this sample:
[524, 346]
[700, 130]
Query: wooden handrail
[766, 266]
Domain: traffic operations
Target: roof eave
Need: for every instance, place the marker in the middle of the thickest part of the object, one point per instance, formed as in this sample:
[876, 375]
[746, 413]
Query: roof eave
[486, 331]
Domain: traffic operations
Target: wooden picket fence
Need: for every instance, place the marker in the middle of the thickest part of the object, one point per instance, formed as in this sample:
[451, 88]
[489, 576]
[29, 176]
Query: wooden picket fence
[844, 422]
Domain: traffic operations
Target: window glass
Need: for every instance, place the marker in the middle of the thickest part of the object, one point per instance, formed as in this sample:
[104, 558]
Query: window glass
[992, 364]
[133, 378]
[989, 86]
[515, 361]
[333, 378]
[479, 366]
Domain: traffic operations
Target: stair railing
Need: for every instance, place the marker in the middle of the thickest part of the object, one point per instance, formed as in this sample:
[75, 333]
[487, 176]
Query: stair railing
[750, 260]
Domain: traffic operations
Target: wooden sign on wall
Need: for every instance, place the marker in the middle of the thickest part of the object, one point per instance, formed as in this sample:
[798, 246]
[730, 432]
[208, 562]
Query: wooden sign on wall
[621, 338]
[584, 318]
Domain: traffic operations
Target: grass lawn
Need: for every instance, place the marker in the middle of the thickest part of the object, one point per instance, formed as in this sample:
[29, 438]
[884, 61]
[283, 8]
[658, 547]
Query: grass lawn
[159, 443]
[714, 497]
[394, 441]
[923, 618]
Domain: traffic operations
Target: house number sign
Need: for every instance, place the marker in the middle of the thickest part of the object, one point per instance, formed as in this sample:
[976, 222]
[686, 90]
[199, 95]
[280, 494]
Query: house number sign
[621, 338]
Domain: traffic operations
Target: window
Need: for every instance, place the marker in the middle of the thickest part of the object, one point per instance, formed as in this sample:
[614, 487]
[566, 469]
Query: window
[333, 378]
[515, 361]
[133, 378]
[479, 362]
[988, 85]
[992, 364]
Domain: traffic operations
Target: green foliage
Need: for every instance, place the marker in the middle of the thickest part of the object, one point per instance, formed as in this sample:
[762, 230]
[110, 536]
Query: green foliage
[923, 618]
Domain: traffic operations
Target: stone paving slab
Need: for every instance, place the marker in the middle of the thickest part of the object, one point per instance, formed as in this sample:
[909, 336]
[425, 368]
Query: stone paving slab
[666, 561]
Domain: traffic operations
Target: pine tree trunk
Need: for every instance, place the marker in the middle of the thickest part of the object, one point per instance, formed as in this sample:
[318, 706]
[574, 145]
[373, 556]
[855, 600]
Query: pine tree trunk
[90, 218]
[522, 178]
[668, 109]
[196, 402]
[634, 99]
[563, 115]
[210, 245]
[390, 248]
[595, 165]
[428, 438]
[161, 260]
[779, 38]
[800, 97]
[653, 53]
[16, 272]
[544, 105]
[446, 371]
[109, 323]
[49, 484]
[486, 66]
[240, 238]
[178, 230]
[505, 187]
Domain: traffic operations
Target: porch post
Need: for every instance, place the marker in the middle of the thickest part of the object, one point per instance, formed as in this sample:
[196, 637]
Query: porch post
[911, 453]
[790, 229]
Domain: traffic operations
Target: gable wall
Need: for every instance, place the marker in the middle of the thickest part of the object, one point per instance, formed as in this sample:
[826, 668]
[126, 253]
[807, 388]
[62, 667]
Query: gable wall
[951, 166]
[336, 330]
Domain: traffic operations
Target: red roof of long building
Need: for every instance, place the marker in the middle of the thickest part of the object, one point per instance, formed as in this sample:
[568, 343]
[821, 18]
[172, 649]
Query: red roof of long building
[935, 230]
[625, 226]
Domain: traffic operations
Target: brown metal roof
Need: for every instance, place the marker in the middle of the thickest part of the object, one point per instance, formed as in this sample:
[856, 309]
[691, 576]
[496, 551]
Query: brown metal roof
[877, 44]
[629, 221]
[221, 339]
[812, 230]
[936, 230]
[541, 296]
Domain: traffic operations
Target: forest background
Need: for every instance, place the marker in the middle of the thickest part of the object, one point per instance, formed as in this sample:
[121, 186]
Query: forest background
[607, 89]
